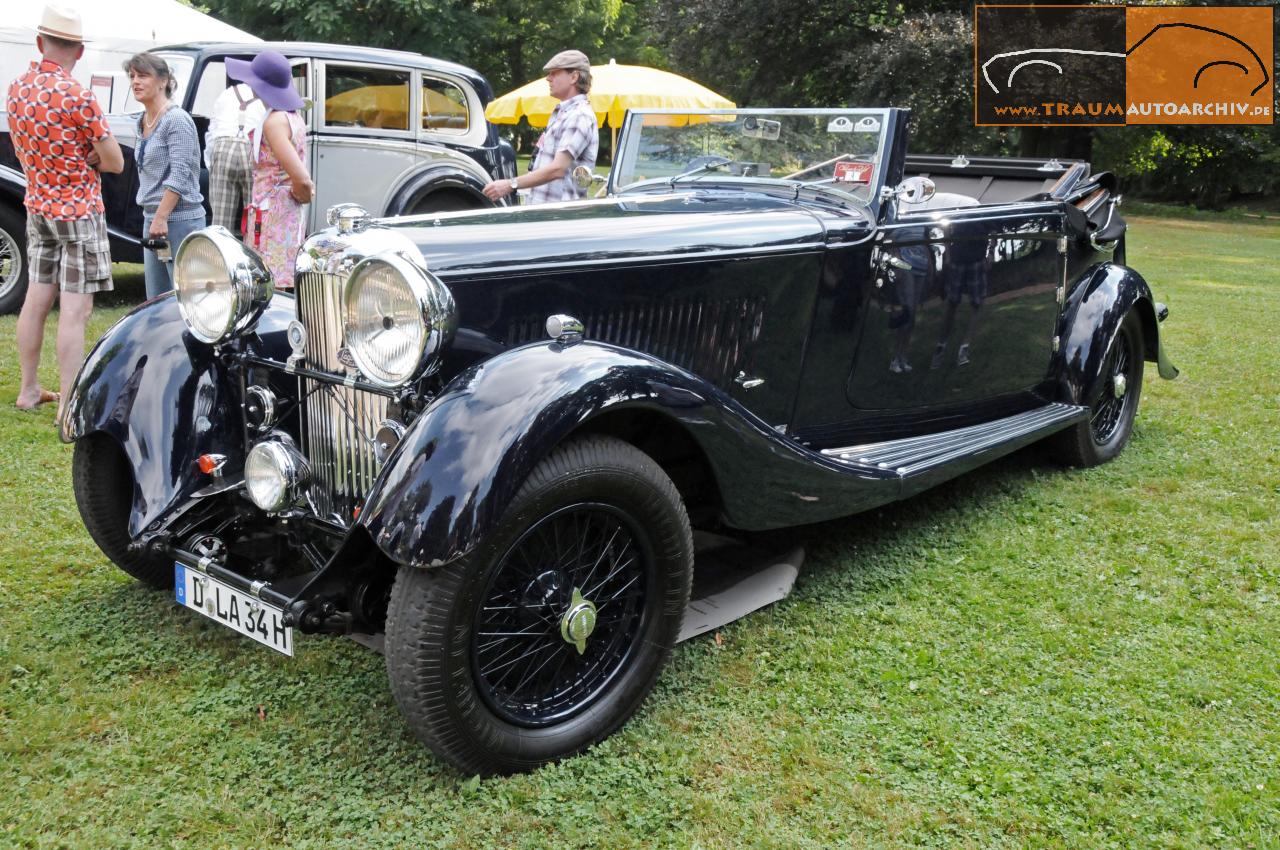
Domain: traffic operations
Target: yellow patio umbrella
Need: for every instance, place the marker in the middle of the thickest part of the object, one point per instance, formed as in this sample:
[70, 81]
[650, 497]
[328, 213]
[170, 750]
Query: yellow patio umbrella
[614, 89]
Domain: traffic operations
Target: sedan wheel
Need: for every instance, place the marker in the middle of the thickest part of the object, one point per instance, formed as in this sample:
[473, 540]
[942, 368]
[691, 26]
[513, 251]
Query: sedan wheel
[549, 636]
[13, 266]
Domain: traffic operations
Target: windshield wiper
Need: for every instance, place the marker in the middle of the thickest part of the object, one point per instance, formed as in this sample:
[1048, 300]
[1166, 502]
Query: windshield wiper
[713, 163]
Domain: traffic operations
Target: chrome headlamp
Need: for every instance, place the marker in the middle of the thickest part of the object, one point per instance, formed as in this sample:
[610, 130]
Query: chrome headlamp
[222, 286]
[275, 473]
[397, 317]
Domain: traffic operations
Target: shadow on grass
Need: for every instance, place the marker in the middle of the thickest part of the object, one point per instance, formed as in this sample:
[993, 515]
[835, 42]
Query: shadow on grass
[913, 522]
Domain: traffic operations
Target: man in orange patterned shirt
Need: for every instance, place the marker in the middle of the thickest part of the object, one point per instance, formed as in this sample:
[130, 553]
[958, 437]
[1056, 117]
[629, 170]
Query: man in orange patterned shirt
[62, 142]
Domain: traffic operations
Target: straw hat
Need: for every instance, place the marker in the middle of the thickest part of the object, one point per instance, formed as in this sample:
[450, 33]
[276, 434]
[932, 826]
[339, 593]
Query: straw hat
[61, 22]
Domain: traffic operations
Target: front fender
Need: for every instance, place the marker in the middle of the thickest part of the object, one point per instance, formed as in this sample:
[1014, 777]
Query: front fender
[1095, 310]
[166, 399]
[461, 463]
[13, 184]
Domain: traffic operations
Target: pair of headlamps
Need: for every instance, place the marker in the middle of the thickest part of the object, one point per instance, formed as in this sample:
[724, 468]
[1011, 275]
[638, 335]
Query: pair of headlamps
[396, 316]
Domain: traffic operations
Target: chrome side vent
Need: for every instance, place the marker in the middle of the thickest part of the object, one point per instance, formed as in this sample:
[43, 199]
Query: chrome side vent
[339, 424]
[713, 339]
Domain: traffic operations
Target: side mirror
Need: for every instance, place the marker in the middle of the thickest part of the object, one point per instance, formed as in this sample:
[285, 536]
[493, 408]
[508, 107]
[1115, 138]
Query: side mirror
[584, 178]
[913, 190]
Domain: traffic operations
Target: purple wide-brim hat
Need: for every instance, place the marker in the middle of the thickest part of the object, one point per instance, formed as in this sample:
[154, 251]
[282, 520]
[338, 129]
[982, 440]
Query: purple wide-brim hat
[270, 77]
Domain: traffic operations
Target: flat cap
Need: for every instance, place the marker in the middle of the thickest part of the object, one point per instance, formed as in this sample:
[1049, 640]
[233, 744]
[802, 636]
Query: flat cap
[569, 60]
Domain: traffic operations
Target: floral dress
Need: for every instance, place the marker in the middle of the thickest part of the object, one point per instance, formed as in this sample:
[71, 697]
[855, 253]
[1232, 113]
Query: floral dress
[275, 225]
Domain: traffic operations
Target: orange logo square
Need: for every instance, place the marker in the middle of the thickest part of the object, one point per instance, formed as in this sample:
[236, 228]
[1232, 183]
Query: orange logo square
[1199, 65]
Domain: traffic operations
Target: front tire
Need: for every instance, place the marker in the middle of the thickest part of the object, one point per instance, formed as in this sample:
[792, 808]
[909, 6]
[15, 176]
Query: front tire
[1111, 414]
[549, 636]
[13, 259]
[103, 482]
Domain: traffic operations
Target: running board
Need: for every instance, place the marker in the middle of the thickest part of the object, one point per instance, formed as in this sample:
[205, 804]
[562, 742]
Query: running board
[730, 580]
[916, 455]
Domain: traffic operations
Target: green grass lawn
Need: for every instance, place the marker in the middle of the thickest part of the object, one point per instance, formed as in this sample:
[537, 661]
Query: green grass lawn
[1025, 657]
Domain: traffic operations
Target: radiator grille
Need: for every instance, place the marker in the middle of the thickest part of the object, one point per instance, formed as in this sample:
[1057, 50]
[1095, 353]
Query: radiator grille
[338, 423]
[712, 339]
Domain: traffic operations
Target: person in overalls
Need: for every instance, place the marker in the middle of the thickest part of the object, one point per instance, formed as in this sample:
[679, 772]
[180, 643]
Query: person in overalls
[227, 154]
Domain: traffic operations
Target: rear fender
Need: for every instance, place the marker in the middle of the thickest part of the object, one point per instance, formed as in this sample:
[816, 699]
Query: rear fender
[165, 397]
[1094, 312]
[461, 463]
[442, 178]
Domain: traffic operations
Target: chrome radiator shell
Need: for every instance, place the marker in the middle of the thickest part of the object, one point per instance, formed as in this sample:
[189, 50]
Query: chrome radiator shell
[338, 423]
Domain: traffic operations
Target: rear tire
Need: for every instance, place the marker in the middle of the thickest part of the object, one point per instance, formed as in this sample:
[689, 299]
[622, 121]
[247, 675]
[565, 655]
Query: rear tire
[103, 482]
[13, 259]
[479, 653]
[1105, 434]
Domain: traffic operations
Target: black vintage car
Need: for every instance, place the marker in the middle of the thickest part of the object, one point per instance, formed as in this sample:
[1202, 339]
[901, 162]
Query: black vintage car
[492, 436]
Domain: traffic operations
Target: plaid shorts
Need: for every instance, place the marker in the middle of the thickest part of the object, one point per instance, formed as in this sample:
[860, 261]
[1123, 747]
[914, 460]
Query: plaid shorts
[74, 254]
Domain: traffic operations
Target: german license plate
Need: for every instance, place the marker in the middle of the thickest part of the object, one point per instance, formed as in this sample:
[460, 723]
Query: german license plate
[232, 608]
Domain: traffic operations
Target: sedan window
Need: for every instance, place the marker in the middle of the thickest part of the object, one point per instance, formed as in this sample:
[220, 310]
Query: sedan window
[376, 98]
[444, 107]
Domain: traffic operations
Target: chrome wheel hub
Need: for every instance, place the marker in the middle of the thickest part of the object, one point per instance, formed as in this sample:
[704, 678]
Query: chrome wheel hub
[578, 622]
[1119, 386]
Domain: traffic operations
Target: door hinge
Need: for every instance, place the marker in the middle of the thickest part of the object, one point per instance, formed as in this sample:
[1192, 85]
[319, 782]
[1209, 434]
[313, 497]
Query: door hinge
[1062, 244]
[1062, 295]
[1057, 343]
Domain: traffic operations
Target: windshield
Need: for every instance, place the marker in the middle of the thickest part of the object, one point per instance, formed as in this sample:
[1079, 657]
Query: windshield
[838, 149]
[180, 65]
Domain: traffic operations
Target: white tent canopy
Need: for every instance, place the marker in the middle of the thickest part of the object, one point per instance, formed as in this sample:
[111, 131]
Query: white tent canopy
[114, 30]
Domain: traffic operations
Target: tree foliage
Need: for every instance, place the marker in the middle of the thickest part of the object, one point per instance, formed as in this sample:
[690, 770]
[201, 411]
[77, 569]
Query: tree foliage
[506, 40]
[783, 53]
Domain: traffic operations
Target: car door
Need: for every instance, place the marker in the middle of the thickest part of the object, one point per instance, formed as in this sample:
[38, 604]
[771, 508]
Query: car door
[964, 307]
[365, 133]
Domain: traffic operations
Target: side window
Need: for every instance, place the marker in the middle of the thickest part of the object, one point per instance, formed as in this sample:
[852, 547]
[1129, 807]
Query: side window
[366, 97]
[214, 81]
[444, 107]
[298, 68]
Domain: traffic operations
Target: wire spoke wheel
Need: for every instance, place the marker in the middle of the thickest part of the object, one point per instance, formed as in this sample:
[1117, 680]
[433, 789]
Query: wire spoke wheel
[1110, 408]
[548, 635]
[13, 266]
[10, 262]
[1114, 406]
[562, 615]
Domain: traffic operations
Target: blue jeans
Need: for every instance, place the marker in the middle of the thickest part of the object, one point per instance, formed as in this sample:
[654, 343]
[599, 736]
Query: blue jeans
[159, 273]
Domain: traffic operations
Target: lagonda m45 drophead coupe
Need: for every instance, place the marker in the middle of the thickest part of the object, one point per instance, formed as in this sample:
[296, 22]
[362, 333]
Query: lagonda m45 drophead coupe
[490, 437]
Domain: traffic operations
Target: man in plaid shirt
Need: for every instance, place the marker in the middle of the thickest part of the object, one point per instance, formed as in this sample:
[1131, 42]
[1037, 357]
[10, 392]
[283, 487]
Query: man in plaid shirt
[62, 142]
[569, 141]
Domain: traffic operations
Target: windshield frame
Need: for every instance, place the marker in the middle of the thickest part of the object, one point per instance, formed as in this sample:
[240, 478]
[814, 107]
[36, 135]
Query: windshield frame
[628, 150]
